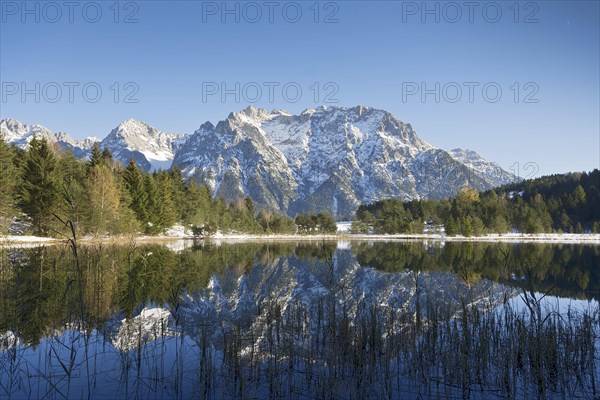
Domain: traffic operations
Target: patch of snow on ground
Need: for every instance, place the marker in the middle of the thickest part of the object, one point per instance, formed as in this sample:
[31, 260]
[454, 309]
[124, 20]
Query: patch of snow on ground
[16, 239]
[178, 231]
[344, 226]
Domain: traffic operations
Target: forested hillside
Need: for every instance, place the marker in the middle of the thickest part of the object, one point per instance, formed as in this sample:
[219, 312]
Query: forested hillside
[43, 186]
[556, 203]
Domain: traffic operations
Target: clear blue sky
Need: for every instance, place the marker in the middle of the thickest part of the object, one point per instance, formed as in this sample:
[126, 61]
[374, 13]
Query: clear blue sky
[375, 53]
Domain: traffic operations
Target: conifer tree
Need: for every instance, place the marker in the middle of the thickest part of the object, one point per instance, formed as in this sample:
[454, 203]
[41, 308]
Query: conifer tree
[467, 227]
[179, 188]
[326, 223]
[134, 183]
[38, 191]
[107, 157]
[95, 157]
[450, 227]
[198, 205]
[165, 206]
[8, 182]
[302, 220]
[152, 223]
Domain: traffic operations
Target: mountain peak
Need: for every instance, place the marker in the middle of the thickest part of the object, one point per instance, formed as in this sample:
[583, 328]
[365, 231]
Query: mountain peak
[134, 126]
[21, 134]
[207, 126]
[252, 114]
[151, 148]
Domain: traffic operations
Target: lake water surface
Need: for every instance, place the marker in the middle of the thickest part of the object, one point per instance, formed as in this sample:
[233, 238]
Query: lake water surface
[326, 319]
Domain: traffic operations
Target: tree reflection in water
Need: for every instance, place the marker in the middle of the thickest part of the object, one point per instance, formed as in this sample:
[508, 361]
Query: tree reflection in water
[300, 320]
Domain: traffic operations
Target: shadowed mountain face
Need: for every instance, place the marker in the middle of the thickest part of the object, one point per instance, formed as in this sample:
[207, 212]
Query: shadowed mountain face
[329, 158]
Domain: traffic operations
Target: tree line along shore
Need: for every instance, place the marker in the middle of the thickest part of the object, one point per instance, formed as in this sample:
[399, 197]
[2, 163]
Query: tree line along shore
[44, 187]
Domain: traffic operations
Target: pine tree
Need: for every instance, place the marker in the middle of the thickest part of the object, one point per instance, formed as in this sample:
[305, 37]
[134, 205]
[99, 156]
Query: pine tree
[179, 187]
[8, 182]
[95, 157]
[450, 227]
[134, 183]
[326, 223]
[38, 192]
[127, 221]
[302, 220]
[153, 223]
[359, 227]
[579, 196]
[197, 206]
[106, 156]
[478, 226]
[499, 225]
[165, 206]
[283, 224]
[467, 227]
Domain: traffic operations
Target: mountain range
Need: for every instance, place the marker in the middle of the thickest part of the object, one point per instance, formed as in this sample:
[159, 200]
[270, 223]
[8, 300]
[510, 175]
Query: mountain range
[327, 158]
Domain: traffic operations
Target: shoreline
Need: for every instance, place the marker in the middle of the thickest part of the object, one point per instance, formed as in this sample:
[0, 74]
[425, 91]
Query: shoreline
[594, 238]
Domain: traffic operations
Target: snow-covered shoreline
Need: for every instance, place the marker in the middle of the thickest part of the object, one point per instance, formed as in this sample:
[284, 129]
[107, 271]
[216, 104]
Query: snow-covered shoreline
[26, 241]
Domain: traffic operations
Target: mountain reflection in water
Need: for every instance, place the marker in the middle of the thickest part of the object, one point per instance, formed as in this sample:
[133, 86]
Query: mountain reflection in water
[362, 320]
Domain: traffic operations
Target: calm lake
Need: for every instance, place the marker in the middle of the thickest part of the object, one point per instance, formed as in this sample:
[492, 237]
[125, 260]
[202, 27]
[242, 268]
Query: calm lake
[350, 320]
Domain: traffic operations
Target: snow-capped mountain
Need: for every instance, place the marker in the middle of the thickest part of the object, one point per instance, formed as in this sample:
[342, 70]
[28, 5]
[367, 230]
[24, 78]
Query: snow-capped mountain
[152, 149]
[235, 160]
[15, 132]
[329, 158]
[490, 171]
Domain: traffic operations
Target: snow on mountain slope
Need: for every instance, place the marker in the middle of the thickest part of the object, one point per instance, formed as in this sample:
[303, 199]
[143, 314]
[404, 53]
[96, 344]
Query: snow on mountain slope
[15, 132]
[235, 159]
[85, 144]
[328, 158]
[488, 170]
[152, 149]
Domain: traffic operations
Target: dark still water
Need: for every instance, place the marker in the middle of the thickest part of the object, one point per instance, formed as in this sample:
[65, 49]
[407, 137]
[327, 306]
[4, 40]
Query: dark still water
[297, 320]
